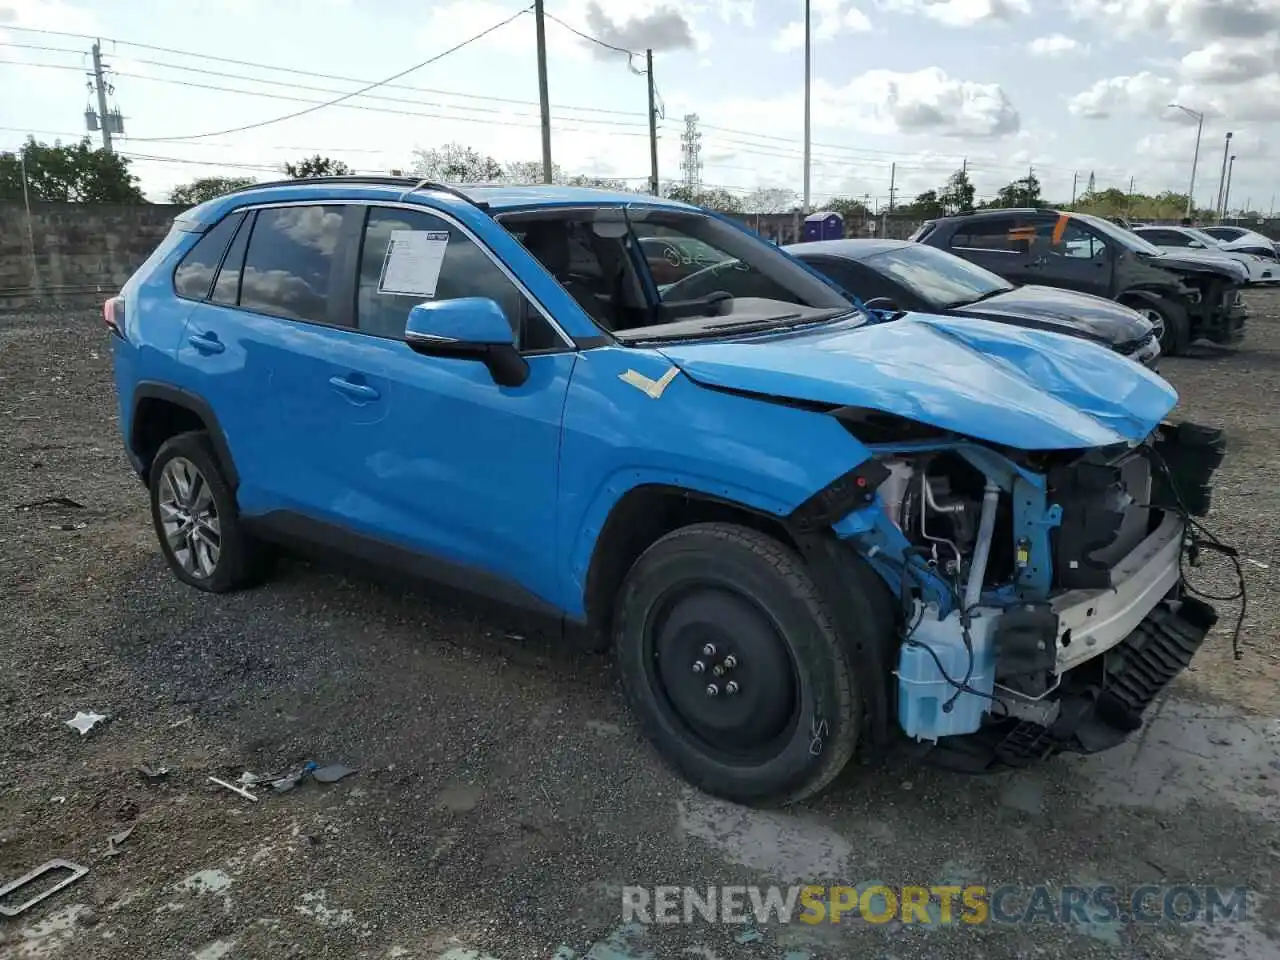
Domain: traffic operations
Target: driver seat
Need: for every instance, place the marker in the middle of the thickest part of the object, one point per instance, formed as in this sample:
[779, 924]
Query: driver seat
[548, 241]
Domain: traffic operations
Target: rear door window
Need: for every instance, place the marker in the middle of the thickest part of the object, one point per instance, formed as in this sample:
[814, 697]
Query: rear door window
[226, 289]
[990, 233]
[195, 272]
[289, 266]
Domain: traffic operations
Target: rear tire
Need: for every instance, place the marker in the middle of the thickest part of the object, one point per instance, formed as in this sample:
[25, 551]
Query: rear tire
[792, 721]
[196, 520]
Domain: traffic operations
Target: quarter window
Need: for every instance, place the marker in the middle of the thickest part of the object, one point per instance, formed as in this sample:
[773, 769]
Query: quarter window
[194, 275]
[289, 265]
[465, 271]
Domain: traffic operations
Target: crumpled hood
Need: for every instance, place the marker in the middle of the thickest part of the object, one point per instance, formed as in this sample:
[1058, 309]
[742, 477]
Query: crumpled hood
[1066, 309]
[1195, 261]
[1023, 388]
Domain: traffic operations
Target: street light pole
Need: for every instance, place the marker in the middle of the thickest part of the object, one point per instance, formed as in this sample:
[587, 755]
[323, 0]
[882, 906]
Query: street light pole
[1195, 157]
[808, 74]
[1222, 177]
[1226, 194]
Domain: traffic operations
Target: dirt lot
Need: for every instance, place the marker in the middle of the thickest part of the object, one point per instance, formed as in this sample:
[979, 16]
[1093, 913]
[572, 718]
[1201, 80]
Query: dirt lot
[503, 797]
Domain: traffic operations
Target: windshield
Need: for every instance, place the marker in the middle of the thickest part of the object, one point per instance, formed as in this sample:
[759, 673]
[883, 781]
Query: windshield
[943, 280]
[1126, 238]
[644, 273]
[1209, 241]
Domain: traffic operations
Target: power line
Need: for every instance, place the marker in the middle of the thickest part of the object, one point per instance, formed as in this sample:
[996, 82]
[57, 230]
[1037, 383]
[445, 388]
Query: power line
[347, 96]
[591, 39]
[490, 111]
[303, 73]
[314, 75]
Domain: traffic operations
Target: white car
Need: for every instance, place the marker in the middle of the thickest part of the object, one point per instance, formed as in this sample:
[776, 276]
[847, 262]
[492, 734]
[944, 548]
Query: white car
[1242, 240]
[1262, 269]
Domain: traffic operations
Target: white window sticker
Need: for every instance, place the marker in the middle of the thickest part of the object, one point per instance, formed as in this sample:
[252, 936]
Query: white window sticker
[412, 265]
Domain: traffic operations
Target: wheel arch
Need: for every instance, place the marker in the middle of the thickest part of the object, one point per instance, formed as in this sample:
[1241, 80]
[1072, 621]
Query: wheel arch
[642, 515]
[161, 411]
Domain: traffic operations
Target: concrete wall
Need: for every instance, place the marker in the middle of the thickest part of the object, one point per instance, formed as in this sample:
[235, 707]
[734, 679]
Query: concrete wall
[83, 252]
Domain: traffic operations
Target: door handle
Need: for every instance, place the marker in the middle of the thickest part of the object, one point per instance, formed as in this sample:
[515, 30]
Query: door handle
[356, 391]
[209, 343]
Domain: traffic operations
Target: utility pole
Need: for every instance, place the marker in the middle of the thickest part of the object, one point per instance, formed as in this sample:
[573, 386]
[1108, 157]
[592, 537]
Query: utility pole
[1222, 177]
[1226, 193]
[1129, 207]
[1075, 179]
[653, 126]
[807, 95]
[544, 98]
[101, 84]
[893, 179]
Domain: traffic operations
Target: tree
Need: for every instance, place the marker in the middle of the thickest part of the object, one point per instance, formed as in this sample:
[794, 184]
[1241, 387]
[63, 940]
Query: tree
[68, 174]
[458, 164]
[848, 208]
[206, 188]
[957, 193]
[317, 166]
[926, 206]
[713, 199]
[1023, 192]
[770, 200]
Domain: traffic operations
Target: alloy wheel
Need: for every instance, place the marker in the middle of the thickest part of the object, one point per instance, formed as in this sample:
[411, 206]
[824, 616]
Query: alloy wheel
[189, 517]
[1157, 321]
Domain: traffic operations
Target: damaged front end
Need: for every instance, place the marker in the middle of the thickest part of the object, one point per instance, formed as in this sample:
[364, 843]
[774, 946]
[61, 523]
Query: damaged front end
[1042, 594]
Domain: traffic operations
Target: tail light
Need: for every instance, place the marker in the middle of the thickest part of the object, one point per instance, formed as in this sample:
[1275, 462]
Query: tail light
[113, 315]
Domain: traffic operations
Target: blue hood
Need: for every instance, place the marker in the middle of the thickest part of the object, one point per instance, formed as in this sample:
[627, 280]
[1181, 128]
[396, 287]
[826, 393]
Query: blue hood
[1022, 388]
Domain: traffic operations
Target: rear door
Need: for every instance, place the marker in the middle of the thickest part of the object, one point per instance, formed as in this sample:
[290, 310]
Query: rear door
[282, 363]
[999, 243]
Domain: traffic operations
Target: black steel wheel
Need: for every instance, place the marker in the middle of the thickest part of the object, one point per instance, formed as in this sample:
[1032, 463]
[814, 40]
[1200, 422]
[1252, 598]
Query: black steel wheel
[730, 660]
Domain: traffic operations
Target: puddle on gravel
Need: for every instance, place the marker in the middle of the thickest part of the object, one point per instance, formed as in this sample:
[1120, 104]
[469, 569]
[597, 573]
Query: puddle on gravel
[1192, 752]
[47, 937]
[216, 950]
[786, 846]
[315, 905]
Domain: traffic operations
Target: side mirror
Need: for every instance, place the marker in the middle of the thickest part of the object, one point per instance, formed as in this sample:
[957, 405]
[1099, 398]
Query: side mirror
[1197, 244]
[469, 328]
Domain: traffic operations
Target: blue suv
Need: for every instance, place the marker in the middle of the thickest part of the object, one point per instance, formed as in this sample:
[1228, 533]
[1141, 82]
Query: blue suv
[807, 530]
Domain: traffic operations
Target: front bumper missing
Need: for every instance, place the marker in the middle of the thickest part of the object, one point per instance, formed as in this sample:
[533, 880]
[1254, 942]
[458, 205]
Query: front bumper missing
[1100, 710]
[1090, 622]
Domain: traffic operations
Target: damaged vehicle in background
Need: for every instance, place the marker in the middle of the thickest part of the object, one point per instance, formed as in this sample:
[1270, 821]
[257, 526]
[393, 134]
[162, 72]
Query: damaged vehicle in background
[1193, 242]
[897, 275]
[1185, 298]
[796, 527]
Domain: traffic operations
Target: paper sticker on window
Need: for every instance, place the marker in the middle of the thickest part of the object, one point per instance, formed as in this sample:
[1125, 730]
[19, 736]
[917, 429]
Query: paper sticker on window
[412, 265]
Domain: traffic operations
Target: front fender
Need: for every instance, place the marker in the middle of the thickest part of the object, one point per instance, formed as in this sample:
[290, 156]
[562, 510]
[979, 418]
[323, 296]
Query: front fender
[768, 457]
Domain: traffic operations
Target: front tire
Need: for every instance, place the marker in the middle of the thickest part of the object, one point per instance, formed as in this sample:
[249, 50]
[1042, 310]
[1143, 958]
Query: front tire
[716, 605]
[196, 520]
[1171, 323]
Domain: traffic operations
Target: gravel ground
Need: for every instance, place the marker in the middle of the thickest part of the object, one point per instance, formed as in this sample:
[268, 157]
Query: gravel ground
[503, 796]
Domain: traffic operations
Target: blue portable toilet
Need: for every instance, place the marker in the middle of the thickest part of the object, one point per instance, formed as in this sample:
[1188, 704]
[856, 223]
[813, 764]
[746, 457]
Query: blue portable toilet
[824, 225]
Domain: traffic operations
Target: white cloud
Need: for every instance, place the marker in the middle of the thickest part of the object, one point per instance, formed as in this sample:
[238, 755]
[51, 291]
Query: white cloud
[1188, 20]
[882, 102]
[830, 19]
[960, 13]
[1056, 45]
[48, 15]
[1230, 63]
[1141, 93]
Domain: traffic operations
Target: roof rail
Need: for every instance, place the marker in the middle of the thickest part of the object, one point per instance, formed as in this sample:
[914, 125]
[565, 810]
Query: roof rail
[445, 188]
[412, 183]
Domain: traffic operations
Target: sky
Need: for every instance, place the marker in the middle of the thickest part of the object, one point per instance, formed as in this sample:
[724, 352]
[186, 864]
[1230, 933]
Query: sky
[903, 91]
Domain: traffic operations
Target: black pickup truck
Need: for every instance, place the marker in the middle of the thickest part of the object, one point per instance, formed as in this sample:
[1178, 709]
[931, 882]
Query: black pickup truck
[1185, 298]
